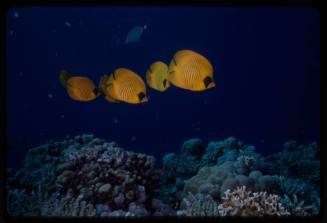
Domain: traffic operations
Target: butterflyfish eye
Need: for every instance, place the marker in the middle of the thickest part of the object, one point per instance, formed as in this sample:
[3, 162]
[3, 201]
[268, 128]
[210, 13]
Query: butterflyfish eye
[165, 82]
[207, 81]
[141, 96]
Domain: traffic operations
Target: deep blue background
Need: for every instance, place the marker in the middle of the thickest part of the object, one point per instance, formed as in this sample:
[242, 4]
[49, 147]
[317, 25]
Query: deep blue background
[266, 63]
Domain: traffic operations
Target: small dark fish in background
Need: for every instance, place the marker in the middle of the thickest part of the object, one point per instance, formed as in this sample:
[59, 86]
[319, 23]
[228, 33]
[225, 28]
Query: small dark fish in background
[134, 34]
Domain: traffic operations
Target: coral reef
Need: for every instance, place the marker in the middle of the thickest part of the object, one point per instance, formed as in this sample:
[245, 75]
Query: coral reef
[83, 170]
[241, 202]
[194, 156]
[85, 176]
[294, 161]
[215, 180]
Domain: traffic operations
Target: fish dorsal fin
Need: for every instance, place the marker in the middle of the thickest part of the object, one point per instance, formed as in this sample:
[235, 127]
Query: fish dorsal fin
[185, 53]
[122, 74]
[63, 77]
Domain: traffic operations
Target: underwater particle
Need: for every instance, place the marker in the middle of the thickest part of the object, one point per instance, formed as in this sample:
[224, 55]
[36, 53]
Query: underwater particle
[57, 53]
[135, 34]
[11, 32]
[62, 116]
[123, 86]
[191, 71]
[54, 30]
[20, 74]
[16, 14]
[133, 138]
[26, 107]
[115, 120]
[50, 96]
[68, 24]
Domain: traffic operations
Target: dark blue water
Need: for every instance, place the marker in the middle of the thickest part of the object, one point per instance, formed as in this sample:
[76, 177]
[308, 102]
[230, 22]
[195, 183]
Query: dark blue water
[266, 63]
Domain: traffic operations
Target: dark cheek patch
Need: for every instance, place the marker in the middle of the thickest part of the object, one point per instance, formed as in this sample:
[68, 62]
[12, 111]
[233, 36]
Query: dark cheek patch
[141, 96]
[165, 83]
[207, 81]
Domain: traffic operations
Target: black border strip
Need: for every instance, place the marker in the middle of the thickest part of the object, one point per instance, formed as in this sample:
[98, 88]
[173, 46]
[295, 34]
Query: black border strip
[5, 5]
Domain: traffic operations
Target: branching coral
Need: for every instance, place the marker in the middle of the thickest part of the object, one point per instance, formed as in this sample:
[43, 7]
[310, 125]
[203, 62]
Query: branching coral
[295, 206]
[67, 206]
[198, 205]
[241, 202]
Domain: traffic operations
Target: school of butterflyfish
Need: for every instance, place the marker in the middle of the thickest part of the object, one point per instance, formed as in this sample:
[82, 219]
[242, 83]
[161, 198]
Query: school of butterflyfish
[188, 70]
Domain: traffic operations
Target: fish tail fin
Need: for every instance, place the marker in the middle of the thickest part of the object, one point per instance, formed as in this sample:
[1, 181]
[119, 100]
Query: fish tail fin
[148, 76]
[63, 77]
[105, 81]
[111, 79]
[101, 87]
